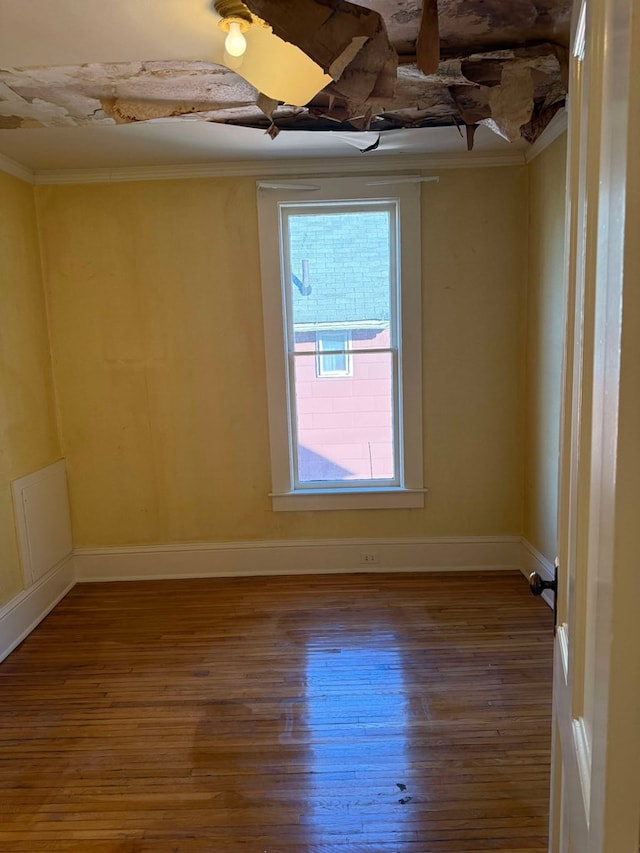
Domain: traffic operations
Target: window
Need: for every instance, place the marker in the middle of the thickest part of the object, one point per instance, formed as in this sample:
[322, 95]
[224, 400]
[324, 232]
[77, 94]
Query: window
[332, 354]
[341, 292]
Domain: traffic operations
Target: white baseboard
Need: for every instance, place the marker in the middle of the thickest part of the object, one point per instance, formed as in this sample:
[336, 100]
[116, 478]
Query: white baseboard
[534, 561]
[297, 557]
[21, 615]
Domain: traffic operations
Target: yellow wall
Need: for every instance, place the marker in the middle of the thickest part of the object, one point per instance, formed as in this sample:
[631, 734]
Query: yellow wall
[28, 433]
[156, 328]
[545, 332]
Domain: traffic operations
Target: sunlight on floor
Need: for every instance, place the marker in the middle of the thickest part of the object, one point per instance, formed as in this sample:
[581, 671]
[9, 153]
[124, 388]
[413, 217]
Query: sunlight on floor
[355, 692]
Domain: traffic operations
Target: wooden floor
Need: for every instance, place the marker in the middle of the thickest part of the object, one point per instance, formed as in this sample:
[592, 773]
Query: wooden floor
[334, 714]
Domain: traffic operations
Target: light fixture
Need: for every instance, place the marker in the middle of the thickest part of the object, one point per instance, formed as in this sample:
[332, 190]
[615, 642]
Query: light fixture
[276, 68]
[235, 43]
[235, 20]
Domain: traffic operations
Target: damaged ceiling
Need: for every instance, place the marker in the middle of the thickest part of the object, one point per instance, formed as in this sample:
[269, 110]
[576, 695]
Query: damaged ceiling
[393, 65]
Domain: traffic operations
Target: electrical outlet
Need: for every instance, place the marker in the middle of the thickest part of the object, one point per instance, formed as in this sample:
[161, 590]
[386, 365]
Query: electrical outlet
[368, 558]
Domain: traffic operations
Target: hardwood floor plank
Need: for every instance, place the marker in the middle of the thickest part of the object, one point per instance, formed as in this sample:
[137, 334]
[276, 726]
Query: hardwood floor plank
[357, 713]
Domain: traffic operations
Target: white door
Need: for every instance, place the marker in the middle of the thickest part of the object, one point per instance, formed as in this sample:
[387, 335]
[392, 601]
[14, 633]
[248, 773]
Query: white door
[596, 734]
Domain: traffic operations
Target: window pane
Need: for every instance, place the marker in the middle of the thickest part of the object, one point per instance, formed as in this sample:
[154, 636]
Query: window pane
[345, 426]
[340, 269]
[332, 341]
[332, 357]
[333, 363]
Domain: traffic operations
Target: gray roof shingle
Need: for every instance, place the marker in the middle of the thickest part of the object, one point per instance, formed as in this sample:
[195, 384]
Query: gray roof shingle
[348, 257]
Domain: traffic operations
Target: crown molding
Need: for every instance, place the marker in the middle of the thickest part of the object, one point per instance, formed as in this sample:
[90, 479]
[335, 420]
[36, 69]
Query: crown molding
[556, 127]
[289, 168]
[280, 168]
[11, 167]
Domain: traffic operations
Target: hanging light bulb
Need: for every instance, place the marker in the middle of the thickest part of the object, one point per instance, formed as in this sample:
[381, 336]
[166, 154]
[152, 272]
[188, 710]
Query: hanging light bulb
[276, 68]
[235, 43]
[235, 20]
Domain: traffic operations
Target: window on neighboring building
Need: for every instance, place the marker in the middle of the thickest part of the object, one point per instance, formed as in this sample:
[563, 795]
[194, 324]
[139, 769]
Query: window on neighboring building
[341, 289]
[333, 358]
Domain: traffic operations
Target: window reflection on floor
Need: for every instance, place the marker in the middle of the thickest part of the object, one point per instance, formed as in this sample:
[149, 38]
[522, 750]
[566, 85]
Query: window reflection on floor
[356, 722]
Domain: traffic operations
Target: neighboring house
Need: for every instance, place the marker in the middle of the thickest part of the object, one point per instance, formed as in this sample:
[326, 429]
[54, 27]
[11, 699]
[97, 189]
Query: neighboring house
[341, 308]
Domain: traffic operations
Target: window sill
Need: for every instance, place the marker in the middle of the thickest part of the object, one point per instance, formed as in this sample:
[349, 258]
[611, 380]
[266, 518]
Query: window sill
[332, 499]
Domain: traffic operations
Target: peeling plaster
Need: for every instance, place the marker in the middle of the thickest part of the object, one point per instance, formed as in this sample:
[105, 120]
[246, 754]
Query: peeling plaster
[486, 75]
[511, 102]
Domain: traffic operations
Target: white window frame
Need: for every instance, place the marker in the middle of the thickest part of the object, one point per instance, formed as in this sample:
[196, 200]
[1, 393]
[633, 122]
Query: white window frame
[405, 193]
